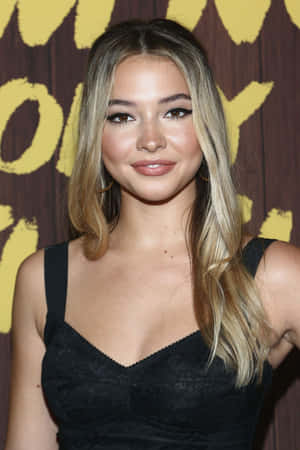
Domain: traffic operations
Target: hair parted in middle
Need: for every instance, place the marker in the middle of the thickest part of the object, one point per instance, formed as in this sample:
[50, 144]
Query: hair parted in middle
[229, 311]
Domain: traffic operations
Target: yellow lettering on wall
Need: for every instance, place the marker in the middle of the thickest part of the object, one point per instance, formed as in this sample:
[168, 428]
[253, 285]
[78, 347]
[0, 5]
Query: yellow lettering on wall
[246, 207]
[243, 19]
[293, 8]
[241, 107]
[6, 218]
[92, 17]
[6, 9]
[44, 142]
[21, 243]
[38, 19]
[277, 225]
[69, 142]
[187, 14]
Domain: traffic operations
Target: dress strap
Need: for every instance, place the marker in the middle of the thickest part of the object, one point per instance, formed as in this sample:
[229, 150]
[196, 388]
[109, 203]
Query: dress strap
[56, 280]
[253, 252]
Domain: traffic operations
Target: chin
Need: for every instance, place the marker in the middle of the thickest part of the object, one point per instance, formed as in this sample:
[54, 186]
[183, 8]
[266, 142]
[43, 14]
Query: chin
[151, 197]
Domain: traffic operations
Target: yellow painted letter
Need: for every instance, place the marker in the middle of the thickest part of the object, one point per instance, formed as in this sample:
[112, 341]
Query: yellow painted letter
[21, 243]
[69, 142]
[240, 108]
[44, 142]
[6, 218]
[246, 207]
[187, 14]
[92, 18]
[278, 225]
[6, 9]
[293, 8]
[243, 19]
[38, 19]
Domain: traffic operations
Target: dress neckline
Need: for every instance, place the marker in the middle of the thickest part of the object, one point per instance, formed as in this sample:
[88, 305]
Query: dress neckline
[163, 351]
[172, 346]
[141, 362]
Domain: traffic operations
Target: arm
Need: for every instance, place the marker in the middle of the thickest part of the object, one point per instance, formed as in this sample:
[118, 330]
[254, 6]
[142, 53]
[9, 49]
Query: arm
[30, 425]
[278, 280]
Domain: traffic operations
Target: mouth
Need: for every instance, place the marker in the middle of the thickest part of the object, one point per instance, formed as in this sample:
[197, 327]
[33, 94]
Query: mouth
[153, 164]
[153, 168]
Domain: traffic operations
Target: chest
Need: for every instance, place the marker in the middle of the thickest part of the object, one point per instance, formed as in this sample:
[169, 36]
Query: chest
[131, 310]
[166, 398]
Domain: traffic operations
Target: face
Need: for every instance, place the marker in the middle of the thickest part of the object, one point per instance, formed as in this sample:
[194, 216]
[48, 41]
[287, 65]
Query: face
[149, 143]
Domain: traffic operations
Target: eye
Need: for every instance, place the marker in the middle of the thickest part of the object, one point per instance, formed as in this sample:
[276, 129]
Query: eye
[178, 113]
[119, 118]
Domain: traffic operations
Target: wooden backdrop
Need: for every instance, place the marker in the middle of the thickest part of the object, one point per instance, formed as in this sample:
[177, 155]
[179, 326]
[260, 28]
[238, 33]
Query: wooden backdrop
[253, 47]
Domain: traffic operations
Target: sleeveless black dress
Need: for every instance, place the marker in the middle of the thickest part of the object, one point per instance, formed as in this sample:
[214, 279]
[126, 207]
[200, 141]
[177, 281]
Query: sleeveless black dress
[168, 400]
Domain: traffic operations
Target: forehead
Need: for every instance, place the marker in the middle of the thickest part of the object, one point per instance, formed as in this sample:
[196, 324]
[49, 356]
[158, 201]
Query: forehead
[143, 75]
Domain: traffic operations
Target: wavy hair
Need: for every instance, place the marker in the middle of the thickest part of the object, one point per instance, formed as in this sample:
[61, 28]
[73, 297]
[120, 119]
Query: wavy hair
[229, 312]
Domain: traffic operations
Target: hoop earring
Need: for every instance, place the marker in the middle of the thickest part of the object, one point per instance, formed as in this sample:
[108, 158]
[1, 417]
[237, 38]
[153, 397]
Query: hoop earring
[107, 188]
[205, 170]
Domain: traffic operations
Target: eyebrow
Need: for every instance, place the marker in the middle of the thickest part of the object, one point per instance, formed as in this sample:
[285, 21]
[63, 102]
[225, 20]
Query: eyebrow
[171, 98]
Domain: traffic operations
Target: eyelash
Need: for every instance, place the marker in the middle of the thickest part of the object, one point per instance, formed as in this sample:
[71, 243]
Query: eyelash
[111, 118]
[185, 112]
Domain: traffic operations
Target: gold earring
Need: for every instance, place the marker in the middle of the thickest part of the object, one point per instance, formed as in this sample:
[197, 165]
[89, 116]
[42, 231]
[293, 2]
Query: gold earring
[203, 166]
[203, 178]
[107, 188]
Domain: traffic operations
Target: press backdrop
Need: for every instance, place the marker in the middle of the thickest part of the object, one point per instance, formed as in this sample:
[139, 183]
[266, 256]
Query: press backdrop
[253, 47]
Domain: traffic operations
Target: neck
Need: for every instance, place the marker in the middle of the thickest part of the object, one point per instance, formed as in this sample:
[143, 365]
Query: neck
[144, 226]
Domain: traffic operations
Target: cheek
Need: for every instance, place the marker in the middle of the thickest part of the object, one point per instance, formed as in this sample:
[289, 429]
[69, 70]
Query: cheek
[186, 142]
[114, 147]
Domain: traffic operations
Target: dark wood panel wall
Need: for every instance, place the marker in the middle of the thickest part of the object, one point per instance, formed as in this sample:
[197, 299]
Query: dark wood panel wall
[253, 47]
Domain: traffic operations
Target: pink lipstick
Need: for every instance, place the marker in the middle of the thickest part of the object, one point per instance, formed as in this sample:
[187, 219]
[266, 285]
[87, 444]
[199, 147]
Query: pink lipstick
[153, 168]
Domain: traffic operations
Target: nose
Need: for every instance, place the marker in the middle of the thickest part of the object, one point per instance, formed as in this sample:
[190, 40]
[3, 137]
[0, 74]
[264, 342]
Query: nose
[151, 137]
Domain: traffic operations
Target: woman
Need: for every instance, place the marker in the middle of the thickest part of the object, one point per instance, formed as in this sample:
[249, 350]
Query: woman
[157, 335]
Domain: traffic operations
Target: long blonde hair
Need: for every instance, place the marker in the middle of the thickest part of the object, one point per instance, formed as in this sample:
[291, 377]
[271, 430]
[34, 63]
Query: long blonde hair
[229, 311]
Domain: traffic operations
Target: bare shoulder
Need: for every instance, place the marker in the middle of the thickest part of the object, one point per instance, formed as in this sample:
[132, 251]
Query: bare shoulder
[29, 419]
[29, 298]
[30, 295]
[278, 279]
[30, 272]
[280, 266]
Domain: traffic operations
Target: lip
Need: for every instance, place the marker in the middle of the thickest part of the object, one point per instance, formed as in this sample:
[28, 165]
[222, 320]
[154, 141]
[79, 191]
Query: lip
[162, 167]
[145, 162]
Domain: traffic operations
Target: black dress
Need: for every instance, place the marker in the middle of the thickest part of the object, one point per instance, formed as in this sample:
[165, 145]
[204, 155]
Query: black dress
[168, 400]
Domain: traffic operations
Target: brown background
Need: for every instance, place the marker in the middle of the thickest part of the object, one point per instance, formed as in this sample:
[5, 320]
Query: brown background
[268, 161]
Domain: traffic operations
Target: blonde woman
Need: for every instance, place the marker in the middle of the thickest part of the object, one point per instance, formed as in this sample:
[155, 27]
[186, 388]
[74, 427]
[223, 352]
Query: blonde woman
[159, 325]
